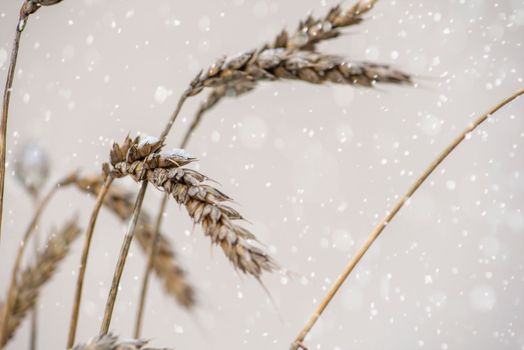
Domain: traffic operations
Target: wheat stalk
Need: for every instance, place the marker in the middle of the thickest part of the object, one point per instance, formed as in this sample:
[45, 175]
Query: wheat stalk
[20, 253]
[33, 278]
[128, 238]
[111, 342]
[28, 7]
[298, 343]
[83, 261]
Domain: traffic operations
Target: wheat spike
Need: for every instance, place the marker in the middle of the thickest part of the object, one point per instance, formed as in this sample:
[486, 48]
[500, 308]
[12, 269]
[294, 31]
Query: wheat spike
[34, 277]
[204, 203]
[111, 342]
[312, 67]
[293, 56]
[166, 267]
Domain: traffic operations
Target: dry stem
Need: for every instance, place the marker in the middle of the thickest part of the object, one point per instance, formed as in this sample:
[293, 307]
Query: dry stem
[298, 343]
[83, 261]
[153, 251]
[28, 7]
[132, 225]
[110, 304]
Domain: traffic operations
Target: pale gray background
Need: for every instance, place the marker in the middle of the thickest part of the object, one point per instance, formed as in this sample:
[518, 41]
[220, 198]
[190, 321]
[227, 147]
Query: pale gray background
[313, 167]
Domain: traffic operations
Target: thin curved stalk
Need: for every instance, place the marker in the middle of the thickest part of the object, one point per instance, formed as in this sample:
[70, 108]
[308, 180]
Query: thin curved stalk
[5, 113]
[11, 294]
[298, 343]
[110, 304]
[83, 261]
[153, 251]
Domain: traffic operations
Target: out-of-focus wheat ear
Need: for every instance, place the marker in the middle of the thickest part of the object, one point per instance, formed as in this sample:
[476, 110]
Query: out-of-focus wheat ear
[34, 277]
[11, 294]
[32, 170]
[168, 270]
[111, 342]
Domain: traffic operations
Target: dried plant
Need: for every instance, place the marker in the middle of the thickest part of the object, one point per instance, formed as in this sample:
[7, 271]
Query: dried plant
[293, 56]
[165, 265]
[143, 160]
[28, 7]
[299, 340]
[140, 160]
[33, 278]
[111, 342]
[11, 294]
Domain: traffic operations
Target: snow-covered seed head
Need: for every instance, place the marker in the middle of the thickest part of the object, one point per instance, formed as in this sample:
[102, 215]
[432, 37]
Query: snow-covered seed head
[32, 166]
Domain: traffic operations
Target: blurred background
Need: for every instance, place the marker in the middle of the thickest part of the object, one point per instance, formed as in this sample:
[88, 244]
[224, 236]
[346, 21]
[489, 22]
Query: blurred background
[313, 168]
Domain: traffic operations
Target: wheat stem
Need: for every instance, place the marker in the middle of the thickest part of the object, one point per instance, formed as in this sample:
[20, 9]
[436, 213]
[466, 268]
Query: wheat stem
[83, 261]
[298, 343]
[153, 251]
[110, 304]
[5, 113]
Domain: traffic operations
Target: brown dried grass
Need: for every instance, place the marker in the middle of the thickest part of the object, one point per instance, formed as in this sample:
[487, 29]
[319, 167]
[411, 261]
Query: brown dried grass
[33, 278]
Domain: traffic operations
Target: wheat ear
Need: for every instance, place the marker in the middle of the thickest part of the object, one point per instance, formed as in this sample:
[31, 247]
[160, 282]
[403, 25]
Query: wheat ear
[111, 342]
[83, 261]
[165, 265]
[28, 7]
[152, 253]
[298, 343]
[11, 294]
[33, 278]
[294, 56]
[204, 203]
